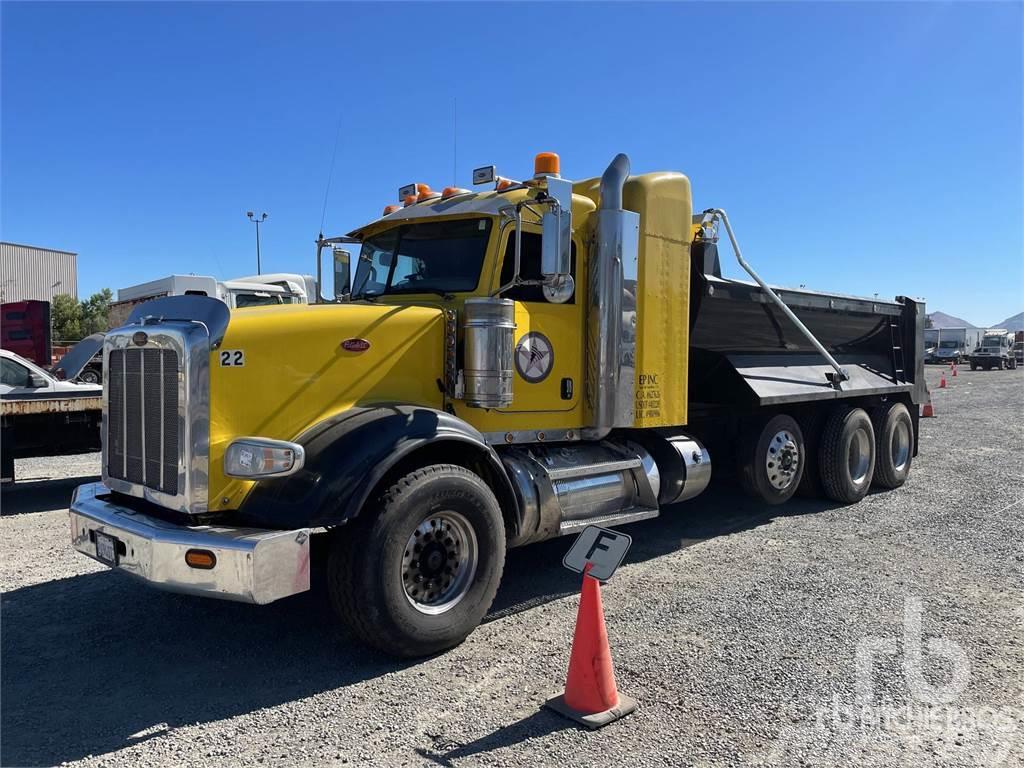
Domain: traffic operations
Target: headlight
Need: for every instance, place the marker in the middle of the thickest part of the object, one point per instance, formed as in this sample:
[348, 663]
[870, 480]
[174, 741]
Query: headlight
[256, 457]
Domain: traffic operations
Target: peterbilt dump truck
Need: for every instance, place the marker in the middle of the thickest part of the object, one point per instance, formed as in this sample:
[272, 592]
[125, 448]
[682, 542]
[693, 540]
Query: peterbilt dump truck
[509, 366]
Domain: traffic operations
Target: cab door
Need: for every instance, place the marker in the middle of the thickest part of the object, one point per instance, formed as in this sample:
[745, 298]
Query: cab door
[549, 350]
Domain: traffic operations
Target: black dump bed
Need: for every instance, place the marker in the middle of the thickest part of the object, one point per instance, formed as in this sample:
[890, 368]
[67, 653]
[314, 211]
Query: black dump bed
[744, 350]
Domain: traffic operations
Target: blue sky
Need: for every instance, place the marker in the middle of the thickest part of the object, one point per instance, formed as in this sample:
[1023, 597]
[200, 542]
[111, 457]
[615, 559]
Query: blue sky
[858, 147]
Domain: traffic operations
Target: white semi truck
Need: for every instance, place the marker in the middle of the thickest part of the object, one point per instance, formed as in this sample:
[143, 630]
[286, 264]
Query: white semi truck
[994, 351]
[252, 291]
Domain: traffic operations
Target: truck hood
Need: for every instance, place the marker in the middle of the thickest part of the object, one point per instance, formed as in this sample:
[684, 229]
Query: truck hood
[72, 364]
[281, 370]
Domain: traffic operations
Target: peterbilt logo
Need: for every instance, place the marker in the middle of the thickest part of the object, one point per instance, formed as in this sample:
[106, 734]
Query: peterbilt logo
[139, 338]
[355, 345]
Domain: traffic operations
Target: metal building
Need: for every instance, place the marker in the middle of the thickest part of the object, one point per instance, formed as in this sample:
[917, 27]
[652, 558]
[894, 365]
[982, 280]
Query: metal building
[28, 272]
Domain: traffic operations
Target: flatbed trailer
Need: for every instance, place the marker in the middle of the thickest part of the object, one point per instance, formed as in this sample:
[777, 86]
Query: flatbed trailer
[47, 425]
[510, 366]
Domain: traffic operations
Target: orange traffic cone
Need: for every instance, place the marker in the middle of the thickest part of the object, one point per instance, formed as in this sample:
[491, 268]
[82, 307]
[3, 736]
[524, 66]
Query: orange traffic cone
[942, 381]
[954, 369]
[591, 697]
[952, 365]
[928, 411]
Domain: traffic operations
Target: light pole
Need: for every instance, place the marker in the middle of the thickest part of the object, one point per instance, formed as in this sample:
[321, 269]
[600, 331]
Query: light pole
[257, 221]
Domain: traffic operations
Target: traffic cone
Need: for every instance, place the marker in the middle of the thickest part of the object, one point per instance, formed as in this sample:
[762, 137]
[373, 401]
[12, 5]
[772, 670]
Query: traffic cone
[942, 381]
[591, 697]
[952, 365]
[928, 411]
[954, 369]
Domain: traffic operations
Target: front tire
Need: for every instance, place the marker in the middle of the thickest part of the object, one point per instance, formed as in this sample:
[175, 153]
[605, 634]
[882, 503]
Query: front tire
[772, 459]
[846, 455]
[90, 376]
[894, 438]
[417, 573]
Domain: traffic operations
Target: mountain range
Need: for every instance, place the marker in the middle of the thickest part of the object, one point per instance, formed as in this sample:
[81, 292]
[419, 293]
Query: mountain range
[942, 320]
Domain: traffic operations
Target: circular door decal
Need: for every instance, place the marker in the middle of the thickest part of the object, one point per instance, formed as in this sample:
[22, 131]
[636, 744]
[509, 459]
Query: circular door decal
[535, 357]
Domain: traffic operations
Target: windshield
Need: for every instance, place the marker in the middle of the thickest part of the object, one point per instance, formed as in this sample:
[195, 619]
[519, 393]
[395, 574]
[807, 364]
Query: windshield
[427, 257]
[949, 344]
[256, 299]
[992, 341]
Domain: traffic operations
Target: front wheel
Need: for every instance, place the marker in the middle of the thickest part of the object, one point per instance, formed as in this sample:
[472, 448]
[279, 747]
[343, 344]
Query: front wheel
[974, 366]
[846, 455]
[417, 573]
[90, 376]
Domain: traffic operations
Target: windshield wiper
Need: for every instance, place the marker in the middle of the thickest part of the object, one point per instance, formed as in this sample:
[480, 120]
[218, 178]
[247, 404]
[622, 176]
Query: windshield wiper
[437, 291]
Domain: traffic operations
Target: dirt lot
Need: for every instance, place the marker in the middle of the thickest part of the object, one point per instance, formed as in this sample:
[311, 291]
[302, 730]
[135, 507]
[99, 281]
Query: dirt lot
[886, 633]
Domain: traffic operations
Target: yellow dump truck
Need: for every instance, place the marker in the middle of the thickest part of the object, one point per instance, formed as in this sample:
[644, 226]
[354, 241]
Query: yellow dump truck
[506, 366]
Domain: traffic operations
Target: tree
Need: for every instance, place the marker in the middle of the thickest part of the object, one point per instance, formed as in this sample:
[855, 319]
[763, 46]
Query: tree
[94, 312]
[66, 317]
[73, 320]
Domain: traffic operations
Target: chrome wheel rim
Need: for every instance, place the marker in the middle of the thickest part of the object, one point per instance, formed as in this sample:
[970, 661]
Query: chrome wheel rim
[859, 457]
[900, 448]
[782, 460]
[439, 562]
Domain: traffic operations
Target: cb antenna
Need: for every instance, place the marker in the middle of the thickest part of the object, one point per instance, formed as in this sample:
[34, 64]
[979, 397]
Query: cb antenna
[330, 174]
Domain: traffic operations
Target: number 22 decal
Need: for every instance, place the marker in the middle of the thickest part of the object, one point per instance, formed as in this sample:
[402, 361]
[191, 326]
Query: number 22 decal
[232, 357]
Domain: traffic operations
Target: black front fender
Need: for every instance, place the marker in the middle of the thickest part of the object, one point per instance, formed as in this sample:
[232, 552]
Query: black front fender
[346, 458]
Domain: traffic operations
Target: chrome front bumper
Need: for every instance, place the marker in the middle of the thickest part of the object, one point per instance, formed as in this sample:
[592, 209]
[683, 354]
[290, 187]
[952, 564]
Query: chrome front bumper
[252, 565]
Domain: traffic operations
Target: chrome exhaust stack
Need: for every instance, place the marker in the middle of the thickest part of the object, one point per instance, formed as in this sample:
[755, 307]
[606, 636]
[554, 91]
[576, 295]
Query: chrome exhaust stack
[610, 377]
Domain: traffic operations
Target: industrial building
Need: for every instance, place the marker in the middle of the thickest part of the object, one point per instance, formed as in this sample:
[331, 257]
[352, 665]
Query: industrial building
[29, 272]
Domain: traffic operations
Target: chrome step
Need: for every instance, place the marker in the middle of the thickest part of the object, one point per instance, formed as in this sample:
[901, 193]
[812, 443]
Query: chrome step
[619, 518]
[593, 469]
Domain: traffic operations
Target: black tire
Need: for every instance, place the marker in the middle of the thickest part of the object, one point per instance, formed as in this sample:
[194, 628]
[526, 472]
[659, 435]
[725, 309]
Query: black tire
[90, 376]
[772, 456]
[894, 445]
[369, 562]
[810, 480]
[999, 365]
[974, 366]
[846, 431]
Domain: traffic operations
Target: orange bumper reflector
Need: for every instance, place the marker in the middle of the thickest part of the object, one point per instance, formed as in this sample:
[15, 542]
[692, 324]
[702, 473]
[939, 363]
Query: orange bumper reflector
[200, 558]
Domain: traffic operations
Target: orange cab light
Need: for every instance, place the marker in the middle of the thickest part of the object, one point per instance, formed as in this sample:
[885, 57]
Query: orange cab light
[452, 192]
[200, 558]
[546, 164]
[504, 184]
[391, 209]
[422, 189]
[409, 200]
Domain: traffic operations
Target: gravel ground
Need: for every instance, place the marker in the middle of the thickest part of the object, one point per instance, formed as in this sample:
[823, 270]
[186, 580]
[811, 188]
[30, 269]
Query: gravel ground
[738, 628]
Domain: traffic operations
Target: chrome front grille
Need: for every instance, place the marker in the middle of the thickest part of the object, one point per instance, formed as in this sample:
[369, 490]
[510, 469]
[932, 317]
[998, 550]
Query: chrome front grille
[143, 428]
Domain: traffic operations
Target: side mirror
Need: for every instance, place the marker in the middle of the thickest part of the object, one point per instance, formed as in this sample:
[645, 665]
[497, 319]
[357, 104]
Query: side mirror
[36, 381]
[556, 224]
[342, 274]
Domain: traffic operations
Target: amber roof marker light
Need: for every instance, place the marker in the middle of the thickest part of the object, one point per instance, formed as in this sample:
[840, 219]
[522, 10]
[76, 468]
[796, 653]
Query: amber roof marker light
[546, 164]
